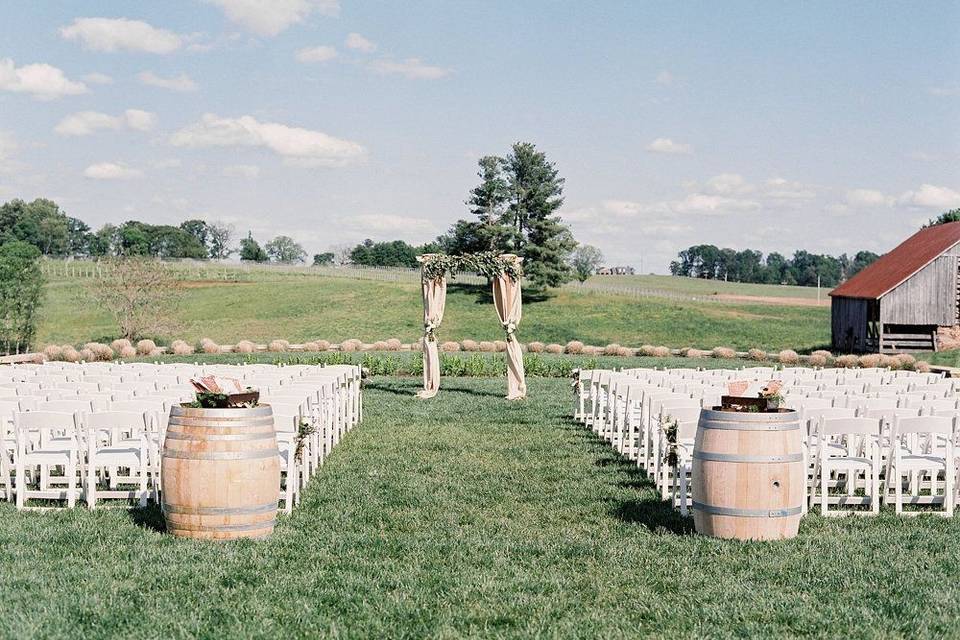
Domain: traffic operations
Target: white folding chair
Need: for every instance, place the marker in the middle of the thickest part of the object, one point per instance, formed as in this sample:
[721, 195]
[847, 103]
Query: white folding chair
[46, 440]
[922, 445]
[116, 440]
[850, 446]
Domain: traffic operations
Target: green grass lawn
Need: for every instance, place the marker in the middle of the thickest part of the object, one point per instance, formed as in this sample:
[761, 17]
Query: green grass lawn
[300, 308]
[471, 516]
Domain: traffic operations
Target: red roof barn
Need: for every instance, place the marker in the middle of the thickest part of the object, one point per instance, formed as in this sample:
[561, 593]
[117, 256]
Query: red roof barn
[898, 302]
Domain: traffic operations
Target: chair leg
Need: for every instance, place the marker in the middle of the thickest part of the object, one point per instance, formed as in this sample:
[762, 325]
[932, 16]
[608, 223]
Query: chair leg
[898, 492]
[21, 484]
[71, 483]
[91, 488]
[824, 490]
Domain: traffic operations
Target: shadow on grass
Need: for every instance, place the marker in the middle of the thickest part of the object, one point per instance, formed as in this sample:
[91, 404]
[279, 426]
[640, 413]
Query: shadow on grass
[148, 517]
[484, 294]
[646, 508]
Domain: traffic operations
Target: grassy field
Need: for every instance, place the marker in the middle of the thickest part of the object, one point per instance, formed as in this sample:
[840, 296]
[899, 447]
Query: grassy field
[701, 287]
[266, 306]
[470, 516]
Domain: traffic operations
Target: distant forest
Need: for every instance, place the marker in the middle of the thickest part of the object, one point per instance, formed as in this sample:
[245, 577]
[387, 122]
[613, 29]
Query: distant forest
[713, 263]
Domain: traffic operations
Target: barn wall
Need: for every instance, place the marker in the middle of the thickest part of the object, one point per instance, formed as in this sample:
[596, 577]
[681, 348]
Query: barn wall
[849, 320]
[928, 297]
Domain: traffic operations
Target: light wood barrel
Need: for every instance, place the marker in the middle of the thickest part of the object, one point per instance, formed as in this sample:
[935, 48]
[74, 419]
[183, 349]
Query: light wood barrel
[220, 473]
[748, 475]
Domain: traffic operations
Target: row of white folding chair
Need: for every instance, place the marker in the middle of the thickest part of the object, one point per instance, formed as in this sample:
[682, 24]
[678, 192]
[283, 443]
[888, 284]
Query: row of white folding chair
[91, 445]
[918, 446]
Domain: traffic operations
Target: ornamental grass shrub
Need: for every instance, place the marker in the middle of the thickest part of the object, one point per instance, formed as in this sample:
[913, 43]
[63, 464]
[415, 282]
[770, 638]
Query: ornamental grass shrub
[922, 366]
[574, 347]
[209, 346]
[127, 352]
[393, 344]
[661, 352]
[278, 346]
[725, 353]
[817, 360]
[487, 347]
[500, 345]
[757, 355]
[470, 345]
[118, 344]
[535, 347]
[647, 350]
[87, 355]
[849, 361]
[870, 360]
[788, 357]
[450, 347]
[611, 349]
[311, 346]
[70, 354]
[244, 346]
[53, 352]
[322, 345]
[554, 348]
[145, 347]
[181, 348]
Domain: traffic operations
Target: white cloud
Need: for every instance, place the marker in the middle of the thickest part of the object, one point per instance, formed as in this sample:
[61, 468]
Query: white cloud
[42, 81]
[357, 42]
[868, 198]
[728, 183]
[948, 89]
[8, 146]
[98, 78]
[837, 209]
[111, 171]
[121, 34]
[167, 163]
[665, 78]
[270, 17]
[666, 145]
[389, 222]
[931, 197]
[241, 171]
[711, 204]
[183, 82]
[412, 68]
[301, 147]
[316, 54]
[84, 123]
[783, 189]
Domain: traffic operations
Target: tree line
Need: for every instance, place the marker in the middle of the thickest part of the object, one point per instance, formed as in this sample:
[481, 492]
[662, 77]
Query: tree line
[803, 268]
[44, 225]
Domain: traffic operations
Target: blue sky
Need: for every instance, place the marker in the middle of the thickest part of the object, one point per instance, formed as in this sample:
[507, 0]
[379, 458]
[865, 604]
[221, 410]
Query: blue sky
[832, 127]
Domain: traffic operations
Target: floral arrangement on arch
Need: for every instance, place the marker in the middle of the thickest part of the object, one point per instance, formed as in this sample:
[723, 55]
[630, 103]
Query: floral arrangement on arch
[489, 264]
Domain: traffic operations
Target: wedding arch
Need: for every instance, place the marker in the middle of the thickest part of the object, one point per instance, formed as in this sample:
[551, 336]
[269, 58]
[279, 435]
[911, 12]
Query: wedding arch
[505, 271]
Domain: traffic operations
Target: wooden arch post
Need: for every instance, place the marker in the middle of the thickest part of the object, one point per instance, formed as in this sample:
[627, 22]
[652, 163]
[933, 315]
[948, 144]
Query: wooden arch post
[508, 301]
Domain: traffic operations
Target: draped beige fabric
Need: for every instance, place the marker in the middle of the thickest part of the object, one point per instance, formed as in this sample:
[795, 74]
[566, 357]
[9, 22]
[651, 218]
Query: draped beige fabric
[434, 299]
[507, 300]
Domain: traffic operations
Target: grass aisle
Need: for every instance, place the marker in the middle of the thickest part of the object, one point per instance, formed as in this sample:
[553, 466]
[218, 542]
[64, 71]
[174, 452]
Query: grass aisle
[468, 515]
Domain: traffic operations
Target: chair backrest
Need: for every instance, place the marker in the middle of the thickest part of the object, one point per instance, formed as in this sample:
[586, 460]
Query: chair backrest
[140, 406]
[44, 423]
[674, 410]
[114, 424]
[942, 425]
[687, 430]
[288, 408]
[287, 422]
[843, 426]
[65, 406]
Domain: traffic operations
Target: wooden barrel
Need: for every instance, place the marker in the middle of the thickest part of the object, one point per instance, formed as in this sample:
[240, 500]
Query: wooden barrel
[220, 473]
[748, 475]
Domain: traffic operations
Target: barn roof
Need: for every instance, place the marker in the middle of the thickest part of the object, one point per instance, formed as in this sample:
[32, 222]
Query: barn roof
[893, 268]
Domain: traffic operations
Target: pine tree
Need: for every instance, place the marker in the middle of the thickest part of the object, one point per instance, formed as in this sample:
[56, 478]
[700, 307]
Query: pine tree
[488, 201]
[535, 194]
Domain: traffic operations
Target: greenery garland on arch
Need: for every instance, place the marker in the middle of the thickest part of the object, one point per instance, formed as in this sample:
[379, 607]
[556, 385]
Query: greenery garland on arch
[489, 264]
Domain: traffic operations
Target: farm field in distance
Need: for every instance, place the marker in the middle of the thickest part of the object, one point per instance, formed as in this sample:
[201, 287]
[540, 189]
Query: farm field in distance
[262, 305]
